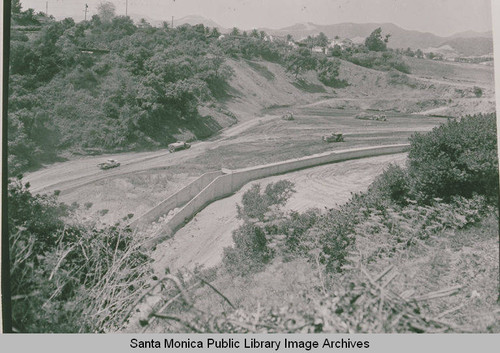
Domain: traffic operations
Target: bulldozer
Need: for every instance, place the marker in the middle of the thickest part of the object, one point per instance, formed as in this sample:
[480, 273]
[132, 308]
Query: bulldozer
[334, 137]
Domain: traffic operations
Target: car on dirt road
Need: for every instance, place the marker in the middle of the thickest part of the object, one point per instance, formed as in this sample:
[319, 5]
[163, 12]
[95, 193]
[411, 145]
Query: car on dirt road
[177, 146]
[110, 163]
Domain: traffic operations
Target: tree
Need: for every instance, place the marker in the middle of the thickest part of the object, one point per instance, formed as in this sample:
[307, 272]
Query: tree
[337, 50]
[235, 31]
[106, 11]
[374, 41]
[322, 40]
[299, 61]
[16, 6]
[215, 32]
[409, 52]
[328, 73]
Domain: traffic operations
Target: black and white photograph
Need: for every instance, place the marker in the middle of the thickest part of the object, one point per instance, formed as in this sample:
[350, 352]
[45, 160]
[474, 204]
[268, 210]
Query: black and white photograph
[250, 167]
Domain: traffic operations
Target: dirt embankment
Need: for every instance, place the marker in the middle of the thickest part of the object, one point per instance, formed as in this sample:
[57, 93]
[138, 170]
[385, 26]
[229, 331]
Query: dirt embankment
[145, 178]
[202, 240]
[259, 85]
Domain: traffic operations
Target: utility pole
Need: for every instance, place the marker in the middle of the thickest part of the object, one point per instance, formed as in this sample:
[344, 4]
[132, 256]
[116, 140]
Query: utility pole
[172, 21]
[126, 7]
[86, 9]
[47, 8]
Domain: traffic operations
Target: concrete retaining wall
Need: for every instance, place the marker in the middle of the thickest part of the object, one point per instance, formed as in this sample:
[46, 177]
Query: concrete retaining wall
[178, 199]
[226, 184]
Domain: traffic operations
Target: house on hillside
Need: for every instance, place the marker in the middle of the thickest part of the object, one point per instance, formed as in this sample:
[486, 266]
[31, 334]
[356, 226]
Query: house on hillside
[342, 43]
[318, 49]
[335, 42]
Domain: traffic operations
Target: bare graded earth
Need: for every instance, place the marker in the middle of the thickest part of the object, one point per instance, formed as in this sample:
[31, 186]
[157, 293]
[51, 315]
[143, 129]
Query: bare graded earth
[260, 93]
[202, 240]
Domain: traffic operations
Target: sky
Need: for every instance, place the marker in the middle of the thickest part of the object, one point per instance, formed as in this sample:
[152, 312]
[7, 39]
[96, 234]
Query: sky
[441, 17]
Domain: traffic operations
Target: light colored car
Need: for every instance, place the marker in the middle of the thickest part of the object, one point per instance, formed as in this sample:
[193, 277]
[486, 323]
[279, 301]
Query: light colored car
[179, 145]
[110, 163]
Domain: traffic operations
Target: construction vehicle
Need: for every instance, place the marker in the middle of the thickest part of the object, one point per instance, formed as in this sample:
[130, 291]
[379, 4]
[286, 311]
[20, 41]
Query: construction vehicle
[333, 137]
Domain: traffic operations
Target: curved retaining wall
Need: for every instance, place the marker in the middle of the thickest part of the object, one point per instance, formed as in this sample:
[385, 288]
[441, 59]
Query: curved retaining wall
[226, 184]
[178, 199]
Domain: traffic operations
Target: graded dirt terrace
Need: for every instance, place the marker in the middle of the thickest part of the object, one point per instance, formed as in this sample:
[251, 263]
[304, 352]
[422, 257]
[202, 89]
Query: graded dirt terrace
[133, 189]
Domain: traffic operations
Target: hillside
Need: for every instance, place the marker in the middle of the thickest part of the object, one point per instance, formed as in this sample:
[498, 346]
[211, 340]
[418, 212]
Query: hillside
[258, 85]
[470, 43]
[194, 20]
[115, 89]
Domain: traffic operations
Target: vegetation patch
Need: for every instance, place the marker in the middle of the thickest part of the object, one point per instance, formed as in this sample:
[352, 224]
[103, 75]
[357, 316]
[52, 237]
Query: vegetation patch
[262, 69]
[67, 276]
[309, 87]
[384, 257]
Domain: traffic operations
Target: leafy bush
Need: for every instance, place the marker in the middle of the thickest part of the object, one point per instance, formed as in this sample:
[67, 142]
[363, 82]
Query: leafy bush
[393, 183]
[250, 252]
[328, 73]
[457, 158]
[328, 241]
[395, 78]
[384, 61]
[67, 277]
[252, 240]
[256, 204]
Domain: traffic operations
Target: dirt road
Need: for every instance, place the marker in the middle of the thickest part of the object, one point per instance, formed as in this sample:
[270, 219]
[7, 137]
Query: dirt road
[203, 239]
[70, 175]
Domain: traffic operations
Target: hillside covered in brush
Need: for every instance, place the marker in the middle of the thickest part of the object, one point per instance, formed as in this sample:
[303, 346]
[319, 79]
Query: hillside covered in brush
[416, 252]
[109, 84]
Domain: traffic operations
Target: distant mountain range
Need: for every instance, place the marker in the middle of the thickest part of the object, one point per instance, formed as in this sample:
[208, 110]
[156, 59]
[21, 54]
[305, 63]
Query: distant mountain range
[194, 20]
[467, 43]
